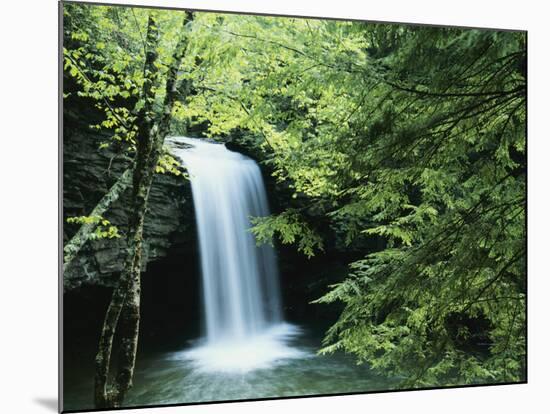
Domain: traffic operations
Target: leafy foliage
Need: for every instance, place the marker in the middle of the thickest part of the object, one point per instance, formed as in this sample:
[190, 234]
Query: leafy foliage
[168, 164]
[290, 228]
[415, 135]
[104, 229]
[104, 52]
[412, 135]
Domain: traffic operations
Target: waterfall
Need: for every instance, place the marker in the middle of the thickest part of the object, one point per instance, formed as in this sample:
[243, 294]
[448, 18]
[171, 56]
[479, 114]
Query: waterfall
[240, 281]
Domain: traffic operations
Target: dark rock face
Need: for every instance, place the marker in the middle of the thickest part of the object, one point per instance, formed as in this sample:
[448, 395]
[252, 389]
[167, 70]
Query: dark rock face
[88, 174]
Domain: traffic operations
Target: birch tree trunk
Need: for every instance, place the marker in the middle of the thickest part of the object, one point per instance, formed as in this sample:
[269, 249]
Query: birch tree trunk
[123, 313]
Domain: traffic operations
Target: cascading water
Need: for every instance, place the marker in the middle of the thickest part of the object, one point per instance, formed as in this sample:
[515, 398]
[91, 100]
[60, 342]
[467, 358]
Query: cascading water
[241, 295]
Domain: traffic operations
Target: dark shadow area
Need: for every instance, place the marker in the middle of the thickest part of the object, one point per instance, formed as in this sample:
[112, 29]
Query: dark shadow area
[48, 403]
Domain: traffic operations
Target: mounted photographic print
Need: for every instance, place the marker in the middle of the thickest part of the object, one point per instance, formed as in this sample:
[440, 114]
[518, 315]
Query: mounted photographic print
[259, 207]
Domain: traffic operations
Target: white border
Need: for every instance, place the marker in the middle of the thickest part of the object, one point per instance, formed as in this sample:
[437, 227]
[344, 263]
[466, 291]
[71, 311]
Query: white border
[28, 203]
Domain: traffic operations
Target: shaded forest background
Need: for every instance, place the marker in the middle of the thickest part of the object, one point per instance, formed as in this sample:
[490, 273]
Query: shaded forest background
[401, 148]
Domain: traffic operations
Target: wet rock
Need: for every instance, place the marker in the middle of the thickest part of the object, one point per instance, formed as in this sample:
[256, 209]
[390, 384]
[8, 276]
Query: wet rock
[88, 173]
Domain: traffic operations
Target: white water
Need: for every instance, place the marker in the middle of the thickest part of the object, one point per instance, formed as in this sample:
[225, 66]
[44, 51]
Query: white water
[241, 295]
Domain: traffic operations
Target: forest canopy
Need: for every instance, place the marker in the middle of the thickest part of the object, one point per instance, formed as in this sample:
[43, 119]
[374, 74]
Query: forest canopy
[408, 142]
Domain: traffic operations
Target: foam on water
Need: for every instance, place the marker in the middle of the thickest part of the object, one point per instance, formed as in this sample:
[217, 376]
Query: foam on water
[260, 351]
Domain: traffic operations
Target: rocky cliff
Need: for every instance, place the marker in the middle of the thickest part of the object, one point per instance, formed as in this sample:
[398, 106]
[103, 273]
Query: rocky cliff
[88, 173]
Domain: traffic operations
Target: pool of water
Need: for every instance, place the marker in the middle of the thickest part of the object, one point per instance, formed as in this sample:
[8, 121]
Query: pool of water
[173, 376]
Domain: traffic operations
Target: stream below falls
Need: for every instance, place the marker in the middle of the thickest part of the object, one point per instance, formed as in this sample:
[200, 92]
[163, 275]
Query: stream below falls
[248, 350]
[167, 375]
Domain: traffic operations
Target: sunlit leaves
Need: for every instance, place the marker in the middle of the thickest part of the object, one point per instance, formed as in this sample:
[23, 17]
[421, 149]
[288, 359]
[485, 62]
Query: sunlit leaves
[167, 164]
[104, 229]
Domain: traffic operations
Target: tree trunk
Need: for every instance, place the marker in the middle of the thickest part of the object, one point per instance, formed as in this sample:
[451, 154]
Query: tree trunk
[123, 312]
[106, 396]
